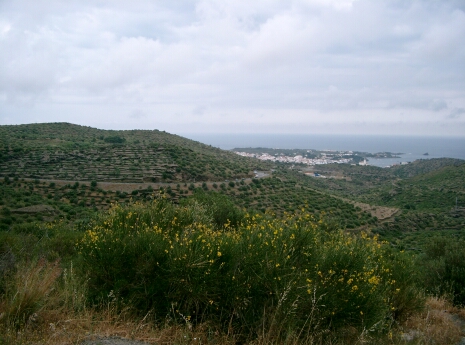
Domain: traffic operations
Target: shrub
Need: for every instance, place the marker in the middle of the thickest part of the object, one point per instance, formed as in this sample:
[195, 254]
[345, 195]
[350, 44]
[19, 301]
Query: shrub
[286, 274]
[115, 139]
[222, 209]
[443, 268]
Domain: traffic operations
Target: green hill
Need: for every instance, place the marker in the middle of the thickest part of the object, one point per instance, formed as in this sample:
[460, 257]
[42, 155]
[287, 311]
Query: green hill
[63, 171]
[99, 222]
[76, 170]
[63, 151]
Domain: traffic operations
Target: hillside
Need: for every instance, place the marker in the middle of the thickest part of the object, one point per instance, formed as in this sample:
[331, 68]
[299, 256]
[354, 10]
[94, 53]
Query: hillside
[428, 194]
[153, 222]
[63, 151]
[76, 170]
[58, 171]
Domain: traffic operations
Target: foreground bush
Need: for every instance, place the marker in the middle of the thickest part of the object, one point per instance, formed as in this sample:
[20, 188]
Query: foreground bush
[221, 209]
[287, 276]
[443, 268]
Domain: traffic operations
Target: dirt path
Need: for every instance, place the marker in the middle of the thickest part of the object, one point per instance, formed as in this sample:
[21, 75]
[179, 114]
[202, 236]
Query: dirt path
[130, 186]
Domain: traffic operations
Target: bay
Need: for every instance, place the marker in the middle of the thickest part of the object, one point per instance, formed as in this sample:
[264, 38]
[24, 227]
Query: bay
[411, 147]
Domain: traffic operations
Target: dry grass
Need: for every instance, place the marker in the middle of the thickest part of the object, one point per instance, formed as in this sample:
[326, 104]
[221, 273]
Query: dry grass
[92, 325]
[440, 323]
[28, 292]
[45, 304]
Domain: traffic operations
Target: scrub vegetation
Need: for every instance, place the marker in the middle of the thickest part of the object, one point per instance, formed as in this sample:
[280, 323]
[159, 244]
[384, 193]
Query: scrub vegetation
[215, 255]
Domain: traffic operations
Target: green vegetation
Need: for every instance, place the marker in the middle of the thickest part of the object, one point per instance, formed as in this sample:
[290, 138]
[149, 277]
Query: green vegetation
[62, 151]
[147, 226]
[264, 270]
[222, 209]
[443, 264]
[293, 276]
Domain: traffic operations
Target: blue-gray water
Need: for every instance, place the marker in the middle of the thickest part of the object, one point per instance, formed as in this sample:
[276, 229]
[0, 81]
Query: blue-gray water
[412, 147]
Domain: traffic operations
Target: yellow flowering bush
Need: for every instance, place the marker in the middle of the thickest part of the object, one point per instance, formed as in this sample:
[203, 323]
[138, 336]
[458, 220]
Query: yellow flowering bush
[174, 260]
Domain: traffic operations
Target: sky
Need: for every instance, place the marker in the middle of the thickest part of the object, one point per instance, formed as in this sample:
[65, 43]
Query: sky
[236, 66]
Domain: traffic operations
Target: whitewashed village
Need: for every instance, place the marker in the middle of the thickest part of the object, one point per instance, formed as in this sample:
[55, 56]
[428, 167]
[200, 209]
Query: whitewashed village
[324, 158]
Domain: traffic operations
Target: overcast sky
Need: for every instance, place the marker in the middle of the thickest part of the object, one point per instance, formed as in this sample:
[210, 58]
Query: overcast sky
[236, 66]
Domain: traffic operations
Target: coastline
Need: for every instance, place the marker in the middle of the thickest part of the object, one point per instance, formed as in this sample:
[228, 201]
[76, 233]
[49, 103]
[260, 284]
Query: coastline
[414, 147]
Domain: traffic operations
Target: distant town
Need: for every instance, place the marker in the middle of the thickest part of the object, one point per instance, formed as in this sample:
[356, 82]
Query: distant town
[311, 157]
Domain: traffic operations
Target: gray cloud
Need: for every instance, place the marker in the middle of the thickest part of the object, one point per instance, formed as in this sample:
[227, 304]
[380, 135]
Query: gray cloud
[138, 114]
[456, 113]
[299, 63]
[405, 102]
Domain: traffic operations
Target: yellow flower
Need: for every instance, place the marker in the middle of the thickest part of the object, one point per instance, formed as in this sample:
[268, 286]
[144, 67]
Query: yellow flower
[374, 280]
[219, 253]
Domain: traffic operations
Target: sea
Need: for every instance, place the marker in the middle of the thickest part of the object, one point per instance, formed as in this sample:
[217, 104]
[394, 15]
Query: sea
[409, 148]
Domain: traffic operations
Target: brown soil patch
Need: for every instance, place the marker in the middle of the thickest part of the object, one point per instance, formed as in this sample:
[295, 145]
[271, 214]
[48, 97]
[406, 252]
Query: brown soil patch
[381, 212]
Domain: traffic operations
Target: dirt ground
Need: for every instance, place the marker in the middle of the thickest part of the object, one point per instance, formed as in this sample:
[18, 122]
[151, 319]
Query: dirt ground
[111, 341]
[381, 212]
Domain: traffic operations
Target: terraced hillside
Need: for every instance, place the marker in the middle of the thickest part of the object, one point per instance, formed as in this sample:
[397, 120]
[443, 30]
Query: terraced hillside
[62, 151]
[431, 202]
[420, 200]
[436, 189]
[63, 171]
[27, 200]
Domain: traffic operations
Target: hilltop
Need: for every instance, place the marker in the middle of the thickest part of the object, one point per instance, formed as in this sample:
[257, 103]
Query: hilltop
[76, 170]
[63, 151]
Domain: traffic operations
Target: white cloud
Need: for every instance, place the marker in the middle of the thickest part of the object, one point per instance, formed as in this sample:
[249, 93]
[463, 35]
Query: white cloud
[294, 64]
